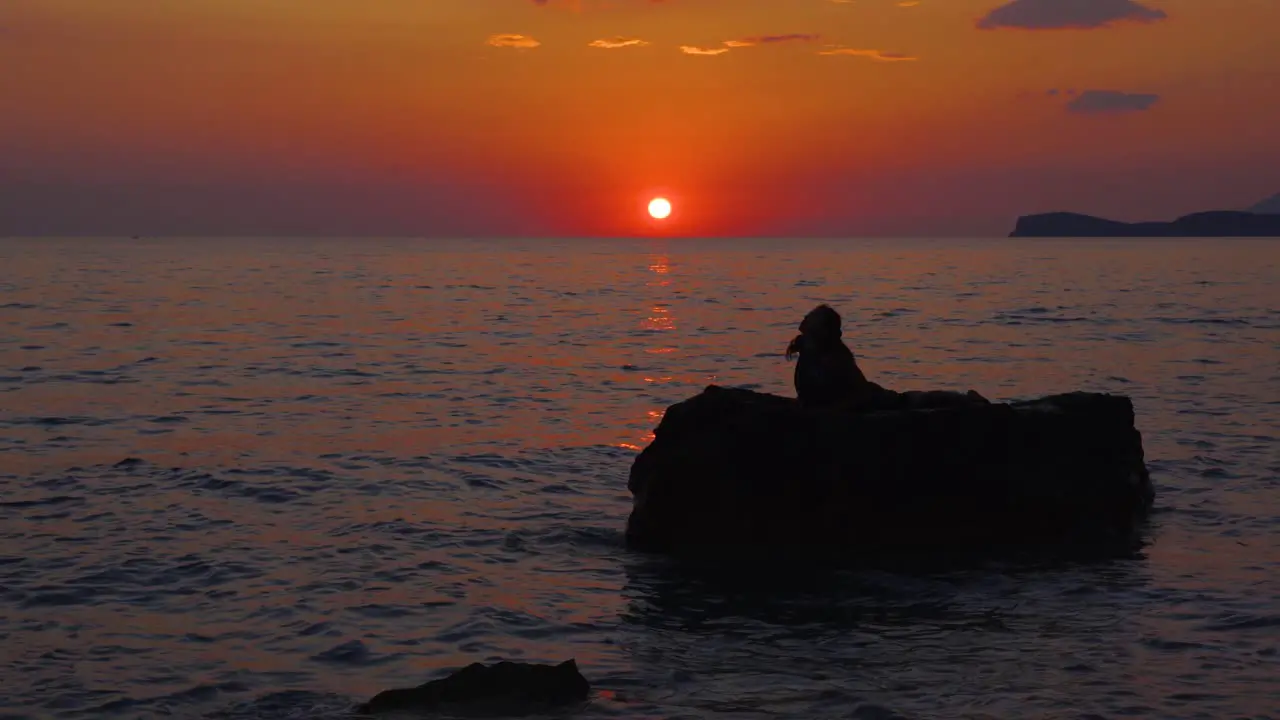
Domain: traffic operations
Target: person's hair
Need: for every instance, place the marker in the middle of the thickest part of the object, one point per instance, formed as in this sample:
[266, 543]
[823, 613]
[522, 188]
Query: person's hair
[823, 321]
[827, 318]
[793, 348]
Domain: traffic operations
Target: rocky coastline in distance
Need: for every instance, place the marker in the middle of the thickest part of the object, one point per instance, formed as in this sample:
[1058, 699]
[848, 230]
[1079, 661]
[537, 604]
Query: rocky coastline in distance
[1261, 220]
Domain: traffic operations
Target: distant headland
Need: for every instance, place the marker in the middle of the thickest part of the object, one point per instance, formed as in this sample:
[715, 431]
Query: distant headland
[1261, 220]
[1270, 206]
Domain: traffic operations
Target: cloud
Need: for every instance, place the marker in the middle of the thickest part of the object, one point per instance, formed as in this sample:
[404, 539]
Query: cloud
[1102, 102]
[877, 55]
[1067, 14]
[617, 42]
[770, 39]
[693, 50]
[749, 42]
[509, 40]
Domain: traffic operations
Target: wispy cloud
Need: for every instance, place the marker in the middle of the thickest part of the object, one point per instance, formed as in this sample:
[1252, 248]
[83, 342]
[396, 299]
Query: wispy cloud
[617, 42]
[694, 50]
[1110, 102]
[770, 39]
[747, 42]
[877, 55]
[511, 40]
[1067, 14]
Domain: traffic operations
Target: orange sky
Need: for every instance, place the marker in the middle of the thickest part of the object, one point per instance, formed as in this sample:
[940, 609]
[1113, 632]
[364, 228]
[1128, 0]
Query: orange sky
[418, 116]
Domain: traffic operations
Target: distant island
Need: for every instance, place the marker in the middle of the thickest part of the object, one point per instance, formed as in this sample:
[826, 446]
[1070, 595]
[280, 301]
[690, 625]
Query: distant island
[1270, 206]
[1261, 220]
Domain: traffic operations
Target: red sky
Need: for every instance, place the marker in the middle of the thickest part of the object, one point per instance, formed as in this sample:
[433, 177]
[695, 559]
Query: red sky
[564, 117]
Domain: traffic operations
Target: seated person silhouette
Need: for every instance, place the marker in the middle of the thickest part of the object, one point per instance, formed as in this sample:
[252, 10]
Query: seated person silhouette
[827, 374]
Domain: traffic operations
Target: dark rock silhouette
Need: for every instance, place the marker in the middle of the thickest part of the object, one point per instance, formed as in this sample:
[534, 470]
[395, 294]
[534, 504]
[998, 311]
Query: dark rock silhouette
[503, 689]
[732, 468]
[1270, 206]
[1222, 223]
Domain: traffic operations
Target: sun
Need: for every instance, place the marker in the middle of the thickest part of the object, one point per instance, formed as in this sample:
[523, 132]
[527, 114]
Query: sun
[659, 208]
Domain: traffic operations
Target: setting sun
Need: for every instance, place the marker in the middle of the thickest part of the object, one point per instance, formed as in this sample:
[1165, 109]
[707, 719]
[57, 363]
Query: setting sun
[659, 208]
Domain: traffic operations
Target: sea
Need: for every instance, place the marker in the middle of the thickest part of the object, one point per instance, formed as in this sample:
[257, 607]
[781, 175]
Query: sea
[268, 478]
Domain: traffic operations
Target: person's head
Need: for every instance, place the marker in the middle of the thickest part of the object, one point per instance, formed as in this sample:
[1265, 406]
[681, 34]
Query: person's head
[821, 324]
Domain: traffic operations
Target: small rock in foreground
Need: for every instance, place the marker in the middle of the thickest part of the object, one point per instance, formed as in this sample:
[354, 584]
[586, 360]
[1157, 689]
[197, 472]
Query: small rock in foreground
[503, 689]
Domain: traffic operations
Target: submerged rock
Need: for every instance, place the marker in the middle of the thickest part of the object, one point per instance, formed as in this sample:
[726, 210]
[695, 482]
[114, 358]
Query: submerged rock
[504, 689]
[735, 468]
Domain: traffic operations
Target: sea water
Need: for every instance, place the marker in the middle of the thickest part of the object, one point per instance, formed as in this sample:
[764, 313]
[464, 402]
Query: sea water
[269, 478]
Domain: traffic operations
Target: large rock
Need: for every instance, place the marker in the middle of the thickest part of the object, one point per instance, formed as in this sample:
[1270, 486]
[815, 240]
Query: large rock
[503, 689]
[735, 468]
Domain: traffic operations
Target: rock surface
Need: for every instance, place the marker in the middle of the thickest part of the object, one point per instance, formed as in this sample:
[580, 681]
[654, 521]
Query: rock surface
[1206, 224]
[734, 468]
[503, 689]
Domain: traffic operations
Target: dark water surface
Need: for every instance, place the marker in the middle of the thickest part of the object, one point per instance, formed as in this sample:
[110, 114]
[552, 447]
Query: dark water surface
[357, 464]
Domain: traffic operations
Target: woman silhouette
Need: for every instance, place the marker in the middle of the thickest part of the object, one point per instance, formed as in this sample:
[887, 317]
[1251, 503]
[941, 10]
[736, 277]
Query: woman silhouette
[827, 373]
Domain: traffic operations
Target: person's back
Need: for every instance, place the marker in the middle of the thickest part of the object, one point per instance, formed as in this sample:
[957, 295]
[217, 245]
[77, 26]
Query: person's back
[827, 373]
